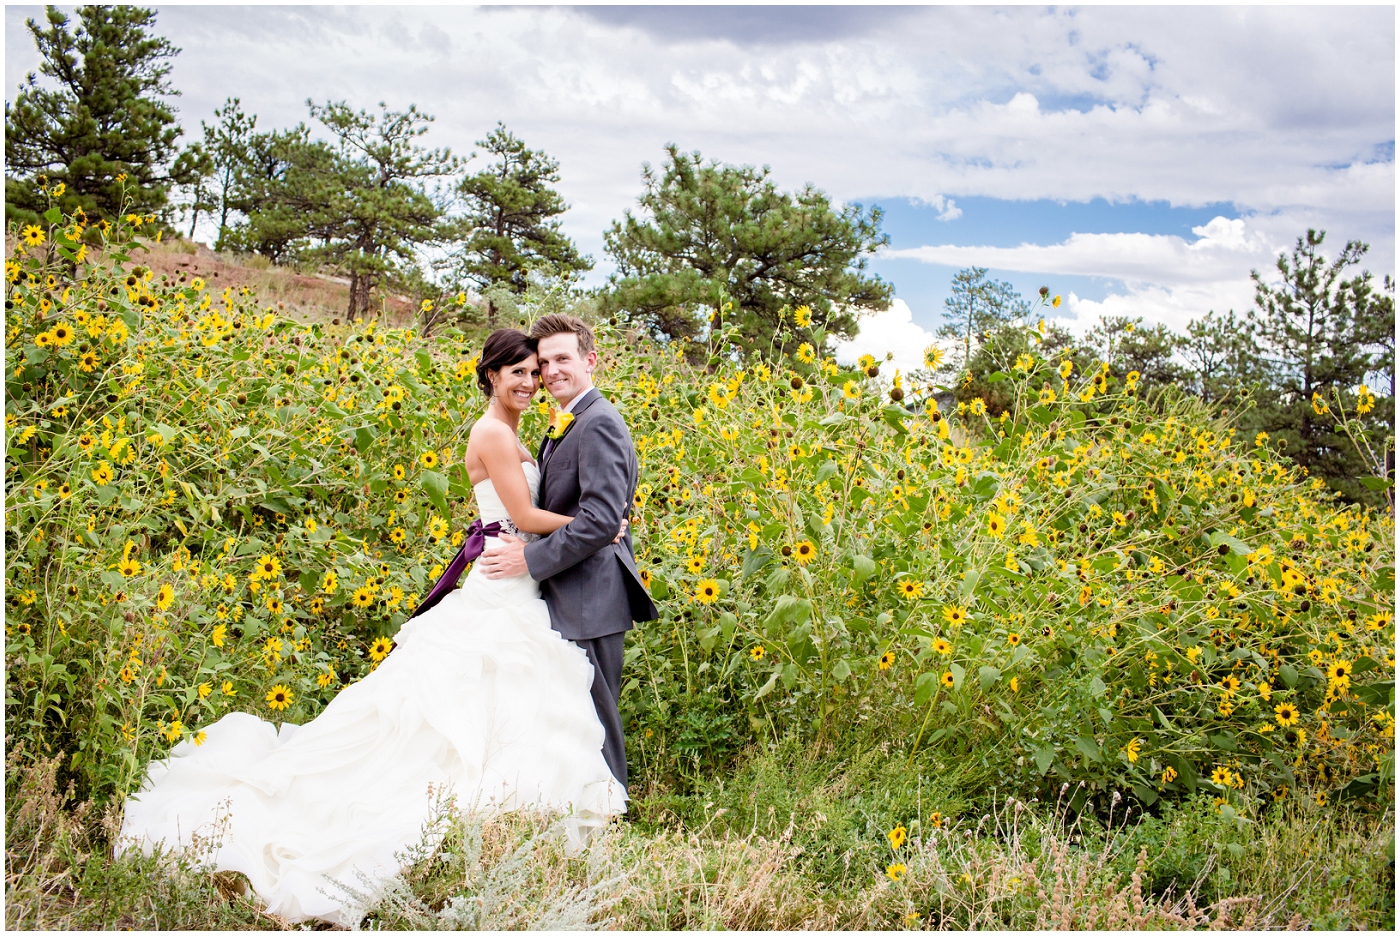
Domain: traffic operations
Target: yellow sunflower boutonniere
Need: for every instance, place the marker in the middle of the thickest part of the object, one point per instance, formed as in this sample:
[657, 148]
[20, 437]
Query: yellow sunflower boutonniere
[559, 423]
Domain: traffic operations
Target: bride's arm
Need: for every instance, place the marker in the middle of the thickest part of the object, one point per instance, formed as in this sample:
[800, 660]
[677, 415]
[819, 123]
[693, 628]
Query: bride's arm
[500, 453]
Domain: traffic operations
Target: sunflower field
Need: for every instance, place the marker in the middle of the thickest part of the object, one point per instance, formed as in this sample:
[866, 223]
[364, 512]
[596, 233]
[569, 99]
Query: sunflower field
[210, 508]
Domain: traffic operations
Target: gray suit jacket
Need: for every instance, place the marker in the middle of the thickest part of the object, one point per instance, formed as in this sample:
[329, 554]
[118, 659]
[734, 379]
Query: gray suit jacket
[590, 582]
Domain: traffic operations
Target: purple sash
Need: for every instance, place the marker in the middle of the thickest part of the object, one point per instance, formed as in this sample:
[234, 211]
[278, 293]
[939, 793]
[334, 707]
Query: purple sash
[471, 549]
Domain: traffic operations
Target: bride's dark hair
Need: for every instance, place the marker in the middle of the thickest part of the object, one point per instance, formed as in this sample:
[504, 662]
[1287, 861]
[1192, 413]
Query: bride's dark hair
[504, 347]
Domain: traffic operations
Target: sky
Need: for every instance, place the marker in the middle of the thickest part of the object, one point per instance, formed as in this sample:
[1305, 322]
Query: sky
[1136, 160]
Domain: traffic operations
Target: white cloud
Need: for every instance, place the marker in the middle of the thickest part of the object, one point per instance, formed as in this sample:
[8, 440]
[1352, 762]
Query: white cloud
[892, 330]
[1279, 110]
[947, 209]
[1224, 249]
[1174, 307]
[1165, 278]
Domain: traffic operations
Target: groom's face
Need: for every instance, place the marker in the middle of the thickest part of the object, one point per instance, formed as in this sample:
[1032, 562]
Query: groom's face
[564, 371]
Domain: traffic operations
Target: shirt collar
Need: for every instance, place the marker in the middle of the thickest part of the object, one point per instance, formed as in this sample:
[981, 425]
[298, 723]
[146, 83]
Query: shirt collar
[575, 401]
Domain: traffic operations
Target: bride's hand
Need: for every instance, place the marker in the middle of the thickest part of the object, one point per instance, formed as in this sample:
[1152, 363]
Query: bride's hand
[621, 532]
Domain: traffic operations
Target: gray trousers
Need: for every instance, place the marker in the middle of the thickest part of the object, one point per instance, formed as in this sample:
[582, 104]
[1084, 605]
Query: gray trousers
[605, 653]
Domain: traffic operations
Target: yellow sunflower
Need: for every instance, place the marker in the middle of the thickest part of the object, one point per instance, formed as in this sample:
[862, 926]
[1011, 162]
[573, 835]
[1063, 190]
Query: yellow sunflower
[707, 591]
[1286, 714]
[996, 524]
[380, 648]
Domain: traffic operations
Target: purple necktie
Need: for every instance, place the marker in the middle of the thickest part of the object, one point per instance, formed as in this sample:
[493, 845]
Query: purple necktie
[471, 549]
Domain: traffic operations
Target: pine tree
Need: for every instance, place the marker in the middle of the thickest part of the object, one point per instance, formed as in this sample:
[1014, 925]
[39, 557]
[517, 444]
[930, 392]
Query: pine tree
[510, 230]
[372, 206]
[273, 200]
[1221, 364]
[976, 309]
[105, 132]
[227, 144]
[1311, 328]
[1128, 344]
[710, 234]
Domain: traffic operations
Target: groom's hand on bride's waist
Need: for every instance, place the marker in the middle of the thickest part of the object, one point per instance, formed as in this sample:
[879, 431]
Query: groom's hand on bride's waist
[507, 561]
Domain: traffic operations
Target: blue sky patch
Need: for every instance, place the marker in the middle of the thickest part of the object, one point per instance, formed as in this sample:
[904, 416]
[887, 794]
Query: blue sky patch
[1000, 222]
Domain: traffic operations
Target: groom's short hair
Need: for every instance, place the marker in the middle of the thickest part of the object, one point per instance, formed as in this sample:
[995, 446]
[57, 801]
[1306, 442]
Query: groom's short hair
[558, 323]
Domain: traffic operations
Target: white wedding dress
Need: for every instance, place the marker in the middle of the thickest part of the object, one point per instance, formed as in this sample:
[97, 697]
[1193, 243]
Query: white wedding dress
[480, 697]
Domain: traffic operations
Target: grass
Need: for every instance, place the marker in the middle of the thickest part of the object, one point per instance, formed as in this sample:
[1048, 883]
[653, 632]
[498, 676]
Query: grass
[783, 840]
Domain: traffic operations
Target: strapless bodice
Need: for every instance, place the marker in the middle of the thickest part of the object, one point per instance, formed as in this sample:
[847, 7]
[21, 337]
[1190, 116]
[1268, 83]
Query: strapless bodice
[488, 502]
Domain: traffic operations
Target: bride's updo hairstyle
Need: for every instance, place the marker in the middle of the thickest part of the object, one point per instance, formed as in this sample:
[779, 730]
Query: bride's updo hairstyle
[504, 347]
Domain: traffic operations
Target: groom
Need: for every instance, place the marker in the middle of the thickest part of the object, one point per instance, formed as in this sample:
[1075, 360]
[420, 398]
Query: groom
[589, 472]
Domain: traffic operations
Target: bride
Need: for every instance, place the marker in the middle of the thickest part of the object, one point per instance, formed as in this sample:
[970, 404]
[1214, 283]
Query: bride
[480, 697]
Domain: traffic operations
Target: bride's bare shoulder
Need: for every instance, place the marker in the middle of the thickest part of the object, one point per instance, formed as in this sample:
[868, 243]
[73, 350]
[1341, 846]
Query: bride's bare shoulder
[491, 432]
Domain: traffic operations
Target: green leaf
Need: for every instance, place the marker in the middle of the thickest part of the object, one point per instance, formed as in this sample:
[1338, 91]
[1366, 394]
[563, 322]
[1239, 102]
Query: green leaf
[789, 609]
[756, 560]
[1236, 546]
[1224, 740]
[1384, 581]
[1090, 749]
[364, 438]
[841, 671]
[1376, 693]
[969, 583]
[1289, 675]
[791, 674]
[958, 673]
[1377, 484]
[862, 568]
[924, 687]
[826, 471]
[435, 486]
[769, 686]
[987, 676]
[1044, 757]
[1096, 688]
[895, 416]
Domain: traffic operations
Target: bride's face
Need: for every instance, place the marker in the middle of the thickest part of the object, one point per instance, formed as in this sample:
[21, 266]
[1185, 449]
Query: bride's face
[516, 384]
